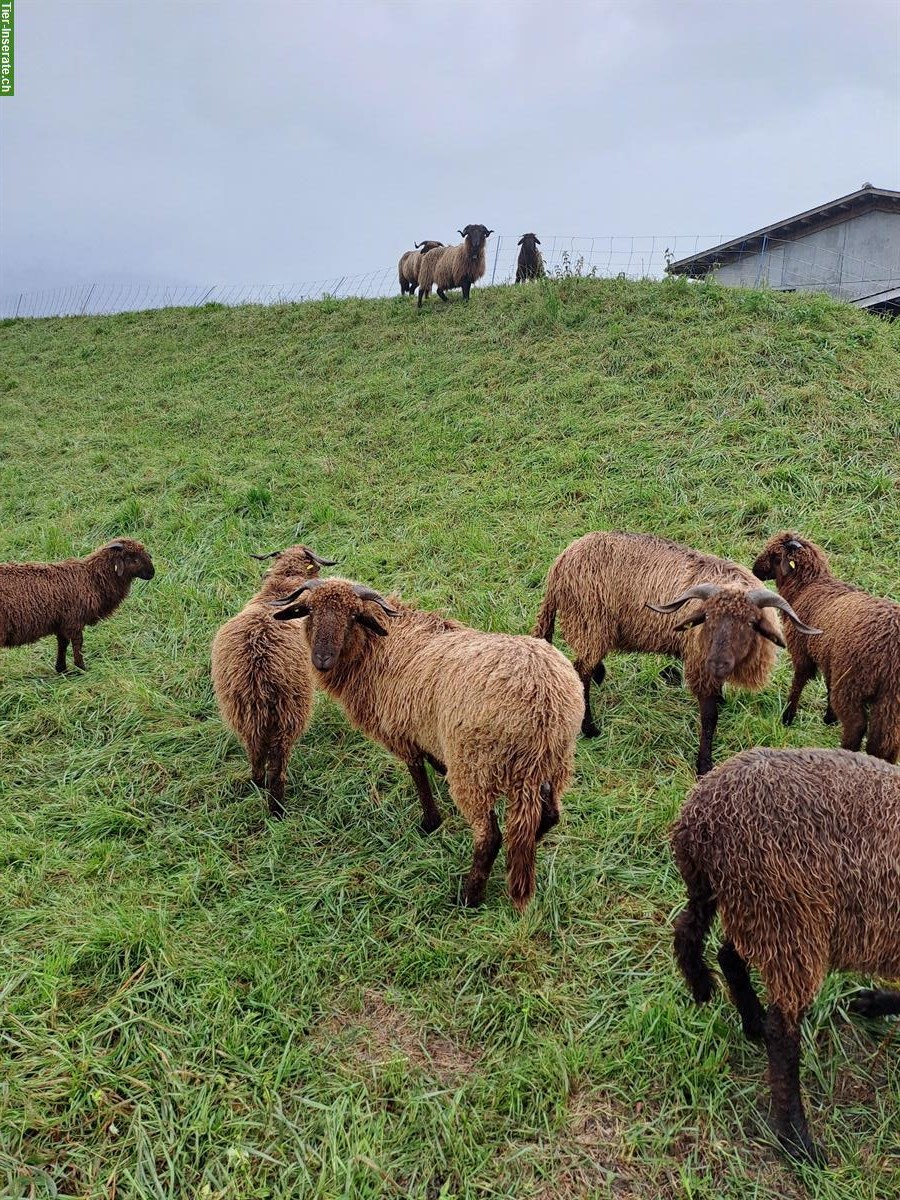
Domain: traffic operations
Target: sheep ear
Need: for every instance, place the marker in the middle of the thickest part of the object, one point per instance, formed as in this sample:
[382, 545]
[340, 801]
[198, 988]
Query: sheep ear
[537, 241]
[371, 624]
[767, 633]
[691, 622]
[292, 613]
[520, 241]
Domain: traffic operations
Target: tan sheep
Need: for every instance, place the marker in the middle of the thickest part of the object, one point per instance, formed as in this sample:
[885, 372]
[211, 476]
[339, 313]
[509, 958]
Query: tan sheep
[262, 677]
[499, 713]
[408, 267]
[456, 266]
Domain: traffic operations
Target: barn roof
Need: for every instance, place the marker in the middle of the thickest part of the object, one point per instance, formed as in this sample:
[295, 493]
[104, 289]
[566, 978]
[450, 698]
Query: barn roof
[863, 200]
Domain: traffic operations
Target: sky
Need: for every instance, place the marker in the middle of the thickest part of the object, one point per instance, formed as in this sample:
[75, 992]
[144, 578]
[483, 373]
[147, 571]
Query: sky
[268, 142]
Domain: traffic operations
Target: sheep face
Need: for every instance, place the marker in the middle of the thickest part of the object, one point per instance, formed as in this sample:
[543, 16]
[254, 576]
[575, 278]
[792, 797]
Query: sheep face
[337, 618]
[295, 561]
[130, 560]
[789, 556]
[529, 240]
[476, 236]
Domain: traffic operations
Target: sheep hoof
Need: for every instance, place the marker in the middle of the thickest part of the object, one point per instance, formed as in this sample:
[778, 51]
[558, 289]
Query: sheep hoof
[798, 1145]
[276, 810]
[589, 729]
[830, 718]
[704, 766]
[472, 897]
[754, 1029]
[870, 1003]
[430, 824]
[787, 717]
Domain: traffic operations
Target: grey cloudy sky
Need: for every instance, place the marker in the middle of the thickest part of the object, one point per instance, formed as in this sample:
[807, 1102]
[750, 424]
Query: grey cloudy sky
[258, 141]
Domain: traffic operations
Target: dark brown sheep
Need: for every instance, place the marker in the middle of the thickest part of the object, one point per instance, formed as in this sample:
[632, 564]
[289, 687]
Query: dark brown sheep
[499, 713]
[602, 586]
[408, 267]
[456, 266]
[38, 600]
[261, 674]
[530, 264]
[799, 852]
[858, 652]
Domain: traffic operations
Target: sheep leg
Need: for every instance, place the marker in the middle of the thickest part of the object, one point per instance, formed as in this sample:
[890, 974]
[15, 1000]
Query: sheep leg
[77, 635]
[258, 756]
[783, 1044]
[804, 670]
[883, 740]
[691, 927]
[421, 294]
[709, 717]
[277, 769]
[431, 817]
[876, 1002]
[853, 729]
[488, 839]
[549, 810]
[586, 673]
[436, 764]
[466, 288]
[742, 992]
[442, 294]
[62, 644]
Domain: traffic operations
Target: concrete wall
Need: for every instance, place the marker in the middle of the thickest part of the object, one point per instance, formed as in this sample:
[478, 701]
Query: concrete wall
[850, 259]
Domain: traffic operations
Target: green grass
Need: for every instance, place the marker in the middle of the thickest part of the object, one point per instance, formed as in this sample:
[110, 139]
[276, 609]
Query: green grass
[197, 1003]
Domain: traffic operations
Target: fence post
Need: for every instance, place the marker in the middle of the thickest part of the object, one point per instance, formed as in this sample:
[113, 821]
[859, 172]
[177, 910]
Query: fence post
[496, 256]
[19, 302]
[87, 297]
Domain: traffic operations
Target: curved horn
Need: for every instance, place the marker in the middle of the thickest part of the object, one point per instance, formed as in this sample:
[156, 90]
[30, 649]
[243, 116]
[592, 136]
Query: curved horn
[306, 586]
[418, 245]
[114, 546]
[367, 593]
[700, 591]
[321, 562]
[271, 554]
[793, 544]
[763, 598]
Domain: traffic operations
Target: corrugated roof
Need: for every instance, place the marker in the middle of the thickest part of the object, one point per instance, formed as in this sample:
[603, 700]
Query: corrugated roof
[825, 214]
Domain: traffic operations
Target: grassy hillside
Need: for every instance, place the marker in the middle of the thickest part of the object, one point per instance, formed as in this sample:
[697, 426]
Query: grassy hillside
[195, 1002]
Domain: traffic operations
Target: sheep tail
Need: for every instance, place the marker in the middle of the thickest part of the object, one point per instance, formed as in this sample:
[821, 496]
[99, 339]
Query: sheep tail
[546, 619]
[522, 822]
[694, 922]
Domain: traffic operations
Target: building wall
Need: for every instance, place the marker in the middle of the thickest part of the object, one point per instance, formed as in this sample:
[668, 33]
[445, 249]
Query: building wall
[850, 259]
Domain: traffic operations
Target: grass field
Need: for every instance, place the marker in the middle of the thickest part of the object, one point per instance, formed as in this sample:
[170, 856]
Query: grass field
[198, 1003]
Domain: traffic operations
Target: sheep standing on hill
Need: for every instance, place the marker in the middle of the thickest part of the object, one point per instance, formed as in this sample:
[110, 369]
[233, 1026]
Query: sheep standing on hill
[408, 267]
[530, 264]
[858, 652]
[602, 586]
[499, 713]
[455, 266]
[261, 674]
[799, 852]
[38, 599]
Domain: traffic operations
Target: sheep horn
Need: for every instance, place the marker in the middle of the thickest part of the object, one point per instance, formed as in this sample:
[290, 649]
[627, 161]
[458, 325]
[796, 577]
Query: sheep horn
[763, 598]
[114, 546]
[793, 544]
[321, 562]
[700, 591]
[271, 554]
[306, 586]
[367, 593]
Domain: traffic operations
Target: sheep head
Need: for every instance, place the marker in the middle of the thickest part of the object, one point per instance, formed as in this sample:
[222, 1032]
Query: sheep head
[338, 613]
[529, 240]
[129, 559]
[475, 237]
[730, 618]
[788, 556]
[425, 246]
[289, 567]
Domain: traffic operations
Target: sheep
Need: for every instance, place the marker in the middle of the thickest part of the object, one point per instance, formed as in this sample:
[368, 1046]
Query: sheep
[799, 851]
[456, 266]
[40, 599]
[498, 713]
[261, 674]
[602, 584]
[858, 652]
[408, 267]
[530, 264]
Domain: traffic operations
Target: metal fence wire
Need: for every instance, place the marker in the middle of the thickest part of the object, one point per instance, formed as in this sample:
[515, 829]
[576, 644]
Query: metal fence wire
[609, 256]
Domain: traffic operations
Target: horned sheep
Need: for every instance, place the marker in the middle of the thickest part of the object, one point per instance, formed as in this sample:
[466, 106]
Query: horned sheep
[498, 713]
[261, 674]
[530, 264]
[456, 266]
[798, 850]
[408, 267]
[602, 585]
[858, 652]
[39, 599]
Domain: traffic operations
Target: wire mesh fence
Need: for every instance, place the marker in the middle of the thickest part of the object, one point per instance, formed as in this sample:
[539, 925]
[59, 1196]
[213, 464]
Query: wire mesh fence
[785, 265]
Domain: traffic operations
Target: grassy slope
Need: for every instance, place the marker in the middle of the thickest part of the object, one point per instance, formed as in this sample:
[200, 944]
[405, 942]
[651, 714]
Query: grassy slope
[197, 1003]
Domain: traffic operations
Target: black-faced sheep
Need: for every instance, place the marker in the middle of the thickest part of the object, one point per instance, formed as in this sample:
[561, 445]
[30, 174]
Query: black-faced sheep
[456, 266]
[530, 264]
[858, 652]
[262, 677]
[499, 713]
[38, 599]
[602, 585]
[408, 267]
[800, 852]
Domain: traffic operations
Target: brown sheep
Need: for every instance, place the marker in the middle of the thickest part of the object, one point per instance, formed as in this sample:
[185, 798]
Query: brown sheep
[530, 264]
[456, 266]
[40, 599]
[602, 585]
[799, 851]
[408, 267]
[262, 677]
[858, 652]
[499, 713]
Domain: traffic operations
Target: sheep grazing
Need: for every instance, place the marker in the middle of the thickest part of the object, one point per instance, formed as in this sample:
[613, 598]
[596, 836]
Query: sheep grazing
[530, 264]
[38, 599]
[262, 677]
[408, 267]
[858, 652]
[602, 585]
[456, 266]
[798, 850]
[498, 713]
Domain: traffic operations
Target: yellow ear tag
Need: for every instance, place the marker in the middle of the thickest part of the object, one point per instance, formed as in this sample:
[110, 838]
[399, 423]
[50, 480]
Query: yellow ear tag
[792, 564]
